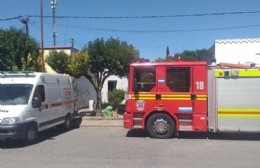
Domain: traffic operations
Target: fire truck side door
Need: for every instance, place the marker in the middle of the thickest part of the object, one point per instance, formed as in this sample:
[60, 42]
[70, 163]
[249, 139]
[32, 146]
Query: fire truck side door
[178, 95]
[144, 89]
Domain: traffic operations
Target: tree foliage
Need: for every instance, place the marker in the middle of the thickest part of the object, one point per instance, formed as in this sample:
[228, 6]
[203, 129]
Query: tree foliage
[58, 61]
[18, 51]
[110, 57]
[188, 55]
[79, 64]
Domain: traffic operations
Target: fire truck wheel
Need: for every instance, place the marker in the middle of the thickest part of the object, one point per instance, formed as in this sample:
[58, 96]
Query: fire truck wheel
[160, 125]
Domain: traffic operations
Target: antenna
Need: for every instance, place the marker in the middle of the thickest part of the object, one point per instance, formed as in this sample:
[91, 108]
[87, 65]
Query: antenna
[53, 7]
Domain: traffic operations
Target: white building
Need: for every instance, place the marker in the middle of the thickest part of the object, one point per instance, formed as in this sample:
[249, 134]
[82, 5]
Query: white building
[113, 82]
[237, 51]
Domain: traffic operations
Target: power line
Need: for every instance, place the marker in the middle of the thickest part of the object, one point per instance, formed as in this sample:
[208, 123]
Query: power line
[153, 16]
[141, 17]
[11, 18]
[163, 31]
[151, 31]
[159, 31]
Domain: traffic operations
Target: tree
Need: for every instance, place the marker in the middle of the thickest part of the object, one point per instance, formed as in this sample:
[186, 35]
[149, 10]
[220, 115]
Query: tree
[4, 61]
[111, 57]
[161, 60]
[99, 60]
[58, 61]
[79, 65]
[187, 55]
[18, 51]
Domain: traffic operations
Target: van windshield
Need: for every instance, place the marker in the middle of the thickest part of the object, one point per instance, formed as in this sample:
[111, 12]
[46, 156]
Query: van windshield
[15, 94]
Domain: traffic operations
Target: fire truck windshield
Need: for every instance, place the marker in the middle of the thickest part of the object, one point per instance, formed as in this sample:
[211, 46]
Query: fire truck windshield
[15, 94]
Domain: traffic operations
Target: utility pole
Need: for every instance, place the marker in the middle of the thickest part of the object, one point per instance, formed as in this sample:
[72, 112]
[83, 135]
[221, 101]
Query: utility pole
[25, 21]
[42, 51]
[72, 45]
[167, 54]
[53, 7]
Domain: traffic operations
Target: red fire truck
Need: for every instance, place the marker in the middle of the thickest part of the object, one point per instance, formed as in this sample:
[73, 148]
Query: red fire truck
[168, 97]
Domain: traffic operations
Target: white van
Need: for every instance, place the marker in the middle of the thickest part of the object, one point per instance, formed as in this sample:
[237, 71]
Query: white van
[31, 102]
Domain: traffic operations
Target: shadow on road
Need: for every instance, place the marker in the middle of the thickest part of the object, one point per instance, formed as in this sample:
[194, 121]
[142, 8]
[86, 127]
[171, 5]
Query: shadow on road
[139, 133]
[221, 136]
[235, 136]
[49, 134]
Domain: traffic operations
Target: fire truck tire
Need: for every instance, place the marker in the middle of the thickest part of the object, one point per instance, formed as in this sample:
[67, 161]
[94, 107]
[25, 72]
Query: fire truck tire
[161, 126]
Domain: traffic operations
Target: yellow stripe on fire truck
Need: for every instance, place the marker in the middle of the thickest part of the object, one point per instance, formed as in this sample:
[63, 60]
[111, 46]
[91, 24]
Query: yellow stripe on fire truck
[238, 113]
[167, 97]
[176, 97]
[143, 96]
[201, 97]
[237, 73]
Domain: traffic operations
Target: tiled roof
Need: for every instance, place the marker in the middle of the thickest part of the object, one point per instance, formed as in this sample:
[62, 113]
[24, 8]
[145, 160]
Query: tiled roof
[238, 41]
[223, 65]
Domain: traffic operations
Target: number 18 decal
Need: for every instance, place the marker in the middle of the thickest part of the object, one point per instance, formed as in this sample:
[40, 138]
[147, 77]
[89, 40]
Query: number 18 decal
[200, 85]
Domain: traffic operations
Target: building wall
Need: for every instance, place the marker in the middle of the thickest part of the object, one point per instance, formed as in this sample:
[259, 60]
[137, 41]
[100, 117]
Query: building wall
[238, 51]
[122, 83]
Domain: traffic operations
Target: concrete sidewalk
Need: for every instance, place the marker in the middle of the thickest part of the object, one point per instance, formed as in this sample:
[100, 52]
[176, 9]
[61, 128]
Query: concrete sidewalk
[87, 120]
[93, 121]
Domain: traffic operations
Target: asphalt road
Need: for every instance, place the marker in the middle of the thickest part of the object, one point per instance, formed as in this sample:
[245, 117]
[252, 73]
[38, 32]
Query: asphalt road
[93, 147]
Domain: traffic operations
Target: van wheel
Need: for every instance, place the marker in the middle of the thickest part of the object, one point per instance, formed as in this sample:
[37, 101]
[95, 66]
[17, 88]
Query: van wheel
[30, 134]
[67, 123]
[161, 126]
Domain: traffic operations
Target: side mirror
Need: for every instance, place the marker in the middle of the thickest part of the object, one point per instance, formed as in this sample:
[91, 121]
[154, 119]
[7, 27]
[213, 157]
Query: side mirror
[36, 102]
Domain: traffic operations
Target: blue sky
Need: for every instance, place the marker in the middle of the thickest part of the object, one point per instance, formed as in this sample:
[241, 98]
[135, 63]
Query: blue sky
[150, 36]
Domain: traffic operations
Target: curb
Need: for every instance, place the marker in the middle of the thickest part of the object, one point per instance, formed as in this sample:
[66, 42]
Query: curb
[87, 120]
[93, 121]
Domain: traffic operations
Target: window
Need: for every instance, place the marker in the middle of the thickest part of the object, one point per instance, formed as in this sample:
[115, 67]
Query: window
[178, 79]
[144, 79]
[40, 93]
[15, 94]
[111, 85]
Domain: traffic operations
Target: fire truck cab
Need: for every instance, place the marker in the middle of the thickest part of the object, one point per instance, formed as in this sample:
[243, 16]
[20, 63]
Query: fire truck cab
[167, 97]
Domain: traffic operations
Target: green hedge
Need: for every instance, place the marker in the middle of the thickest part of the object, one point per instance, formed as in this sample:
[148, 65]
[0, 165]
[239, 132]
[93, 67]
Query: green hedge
[116, 96]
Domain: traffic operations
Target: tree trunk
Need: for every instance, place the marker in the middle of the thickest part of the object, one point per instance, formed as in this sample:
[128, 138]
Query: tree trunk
[99, 103]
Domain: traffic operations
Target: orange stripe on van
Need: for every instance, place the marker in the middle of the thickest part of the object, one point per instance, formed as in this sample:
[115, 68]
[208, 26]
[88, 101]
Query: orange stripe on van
[58, 104]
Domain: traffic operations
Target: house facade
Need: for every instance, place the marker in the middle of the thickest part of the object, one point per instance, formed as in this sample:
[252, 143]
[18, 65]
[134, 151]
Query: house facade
[113, 82]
